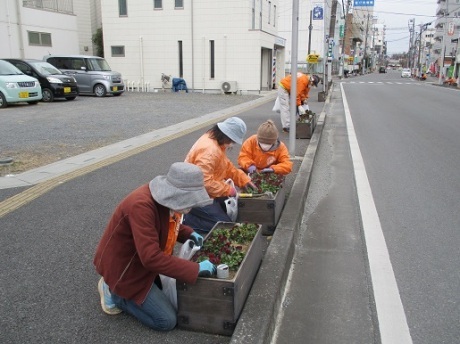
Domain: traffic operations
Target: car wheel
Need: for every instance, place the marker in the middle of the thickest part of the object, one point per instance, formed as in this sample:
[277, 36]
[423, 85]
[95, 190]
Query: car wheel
[33, 103]
[70, 98]
[99, 90]
[47, 95]
[3, 103]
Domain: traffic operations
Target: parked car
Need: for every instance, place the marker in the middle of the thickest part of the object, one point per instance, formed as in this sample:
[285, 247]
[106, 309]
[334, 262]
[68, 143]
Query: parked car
[405, 73]
[382, 69]
[16, 87]
[54, 83]
[93, 74]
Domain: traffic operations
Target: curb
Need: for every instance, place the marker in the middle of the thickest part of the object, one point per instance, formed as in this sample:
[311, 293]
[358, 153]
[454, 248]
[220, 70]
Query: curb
[258, 319]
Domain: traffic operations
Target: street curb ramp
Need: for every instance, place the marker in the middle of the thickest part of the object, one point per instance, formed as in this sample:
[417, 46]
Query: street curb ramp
[257, 321]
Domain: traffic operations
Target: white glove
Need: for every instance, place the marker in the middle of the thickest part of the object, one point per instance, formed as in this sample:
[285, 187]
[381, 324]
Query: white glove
[301, 110]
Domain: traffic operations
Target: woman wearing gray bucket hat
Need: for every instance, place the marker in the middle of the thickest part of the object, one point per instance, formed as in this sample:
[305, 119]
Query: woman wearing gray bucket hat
[210, 154]
[138, 241]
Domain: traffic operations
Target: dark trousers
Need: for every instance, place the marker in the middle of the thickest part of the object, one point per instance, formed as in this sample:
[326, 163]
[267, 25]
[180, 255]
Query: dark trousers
[204, 218]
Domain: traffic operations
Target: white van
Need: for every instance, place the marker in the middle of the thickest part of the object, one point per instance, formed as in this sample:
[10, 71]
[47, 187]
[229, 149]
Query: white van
[93, 73]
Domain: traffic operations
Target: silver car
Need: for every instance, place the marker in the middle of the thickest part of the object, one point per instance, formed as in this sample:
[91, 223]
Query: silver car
[405, 73]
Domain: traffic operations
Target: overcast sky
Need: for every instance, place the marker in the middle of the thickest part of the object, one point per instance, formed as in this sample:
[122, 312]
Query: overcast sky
[395, 14]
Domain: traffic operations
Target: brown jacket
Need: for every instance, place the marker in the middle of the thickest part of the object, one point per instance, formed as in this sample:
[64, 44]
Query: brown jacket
[130, 253]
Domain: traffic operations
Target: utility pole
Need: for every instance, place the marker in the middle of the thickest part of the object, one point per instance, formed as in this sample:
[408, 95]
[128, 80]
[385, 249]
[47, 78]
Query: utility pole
[364, 65]
[344, 39]
[443, 51]
[411, 34]
[310, 28]
[293, 93]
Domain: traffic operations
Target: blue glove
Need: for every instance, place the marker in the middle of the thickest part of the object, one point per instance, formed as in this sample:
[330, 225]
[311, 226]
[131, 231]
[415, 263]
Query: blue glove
[267, 170]
[197, 239]
[251, 169]
[207, 269]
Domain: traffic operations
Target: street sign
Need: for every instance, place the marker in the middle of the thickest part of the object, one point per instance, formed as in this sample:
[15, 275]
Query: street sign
[312, 58]
[363, 3]
[318, 12]
[341, 31]
[451, 29]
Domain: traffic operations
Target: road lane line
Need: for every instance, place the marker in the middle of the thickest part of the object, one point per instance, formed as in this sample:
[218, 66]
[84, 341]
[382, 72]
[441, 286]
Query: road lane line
[390, 311]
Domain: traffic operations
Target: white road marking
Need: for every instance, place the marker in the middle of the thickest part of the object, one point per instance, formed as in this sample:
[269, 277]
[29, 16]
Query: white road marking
[390, 311]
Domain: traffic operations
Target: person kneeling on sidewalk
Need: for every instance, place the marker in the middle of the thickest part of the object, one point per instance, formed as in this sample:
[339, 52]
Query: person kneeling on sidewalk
[138, 241]
[264, 152]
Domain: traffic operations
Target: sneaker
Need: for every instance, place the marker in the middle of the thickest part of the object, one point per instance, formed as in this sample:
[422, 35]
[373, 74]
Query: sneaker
[285, 130]
[106, 299]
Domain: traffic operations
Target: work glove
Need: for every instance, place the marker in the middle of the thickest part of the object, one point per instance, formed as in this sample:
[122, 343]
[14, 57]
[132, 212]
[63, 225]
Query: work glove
[207, 269]
[197, 239]
[305, 101]
[301, 110]
[267, 170]
[250, 187]
[251, 169]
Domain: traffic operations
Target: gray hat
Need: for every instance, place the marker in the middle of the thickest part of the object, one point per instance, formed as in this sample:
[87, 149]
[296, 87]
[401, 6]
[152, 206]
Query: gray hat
[234, 128]
[181, 188]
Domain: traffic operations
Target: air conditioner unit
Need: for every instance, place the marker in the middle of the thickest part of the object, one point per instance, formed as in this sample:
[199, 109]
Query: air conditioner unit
[229, 86]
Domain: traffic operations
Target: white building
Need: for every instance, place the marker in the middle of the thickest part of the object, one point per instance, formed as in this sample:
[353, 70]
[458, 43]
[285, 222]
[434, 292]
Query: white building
[34, 28]
[204, 42]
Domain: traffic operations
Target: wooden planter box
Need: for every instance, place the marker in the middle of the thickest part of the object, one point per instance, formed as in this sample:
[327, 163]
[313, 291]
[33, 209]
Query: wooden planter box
[214, 305]
[305, 130]
[263, 210]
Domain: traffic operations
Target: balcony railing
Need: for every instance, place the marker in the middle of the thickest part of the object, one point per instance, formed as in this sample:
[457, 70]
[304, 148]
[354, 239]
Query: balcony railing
[61, 6]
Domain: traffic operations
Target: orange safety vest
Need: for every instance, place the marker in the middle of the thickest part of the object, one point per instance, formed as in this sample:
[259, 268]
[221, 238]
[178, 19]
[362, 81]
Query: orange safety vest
[174, 223]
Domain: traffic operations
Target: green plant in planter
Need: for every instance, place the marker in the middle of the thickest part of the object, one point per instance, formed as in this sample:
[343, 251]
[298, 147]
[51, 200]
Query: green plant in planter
[267, 182]
[307, 117]
[227, 245]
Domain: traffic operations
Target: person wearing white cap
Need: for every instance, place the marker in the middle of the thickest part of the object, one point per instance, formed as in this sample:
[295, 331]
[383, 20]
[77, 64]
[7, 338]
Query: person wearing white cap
[137, 244]
[210, 154]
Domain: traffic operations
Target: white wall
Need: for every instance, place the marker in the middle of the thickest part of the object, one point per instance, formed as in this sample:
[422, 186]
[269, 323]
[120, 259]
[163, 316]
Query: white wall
[228, 24]
[14, 27]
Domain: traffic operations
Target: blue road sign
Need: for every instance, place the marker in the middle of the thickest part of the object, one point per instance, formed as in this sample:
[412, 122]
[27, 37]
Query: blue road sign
[317, 12]
[363, 3]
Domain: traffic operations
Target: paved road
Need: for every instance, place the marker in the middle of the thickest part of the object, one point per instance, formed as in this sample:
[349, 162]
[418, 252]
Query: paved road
[48, 284]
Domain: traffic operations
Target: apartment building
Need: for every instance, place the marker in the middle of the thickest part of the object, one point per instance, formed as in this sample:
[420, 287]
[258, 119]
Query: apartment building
[207, 43]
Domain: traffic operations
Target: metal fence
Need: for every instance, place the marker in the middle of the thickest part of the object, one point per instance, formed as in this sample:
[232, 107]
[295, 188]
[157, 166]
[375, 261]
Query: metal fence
[61, 6]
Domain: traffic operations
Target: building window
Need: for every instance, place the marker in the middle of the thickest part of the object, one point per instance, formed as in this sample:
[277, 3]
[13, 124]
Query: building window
[181, 60]
[118, 50]
[269, 11]
[211, 58]
[178, 3]
[158, 4]
[260, 16]
[122, 8]
[39, 38]
[253, 14]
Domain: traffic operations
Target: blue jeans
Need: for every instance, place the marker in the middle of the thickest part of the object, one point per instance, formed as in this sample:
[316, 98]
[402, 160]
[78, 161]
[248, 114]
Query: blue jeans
[202, 219]
[156, 311]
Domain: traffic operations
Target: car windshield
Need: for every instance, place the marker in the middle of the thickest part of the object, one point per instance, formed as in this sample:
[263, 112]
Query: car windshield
[406, 70]
[7, 68]
[45, 68]
[99, 64]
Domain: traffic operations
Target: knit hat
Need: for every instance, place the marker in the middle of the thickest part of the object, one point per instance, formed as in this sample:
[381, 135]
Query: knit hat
[267, 132]
[234, 128]
[181, 188]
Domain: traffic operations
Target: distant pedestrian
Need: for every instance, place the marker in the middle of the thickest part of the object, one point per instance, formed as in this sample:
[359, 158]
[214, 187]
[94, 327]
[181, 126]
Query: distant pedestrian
[210, 154]
[264, 152]
[138, 241]
[304, 83]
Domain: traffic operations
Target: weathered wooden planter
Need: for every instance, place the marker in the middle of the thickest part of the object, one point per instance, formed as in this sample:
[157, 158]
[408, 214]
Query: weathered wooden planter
[264, 210]
[304, 130]
[214, 305]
